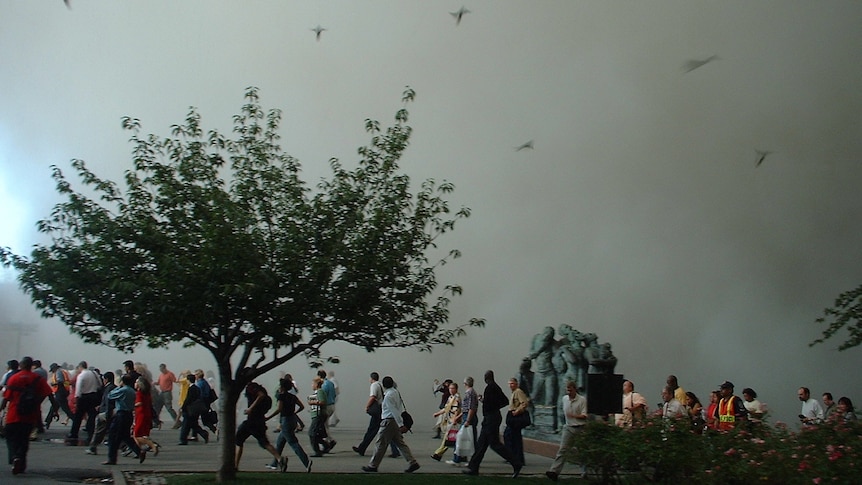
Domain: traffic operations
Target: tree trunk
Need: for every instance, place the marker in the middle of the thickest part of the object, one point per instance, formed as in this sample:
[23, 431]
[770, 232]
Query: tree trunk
[230, 393]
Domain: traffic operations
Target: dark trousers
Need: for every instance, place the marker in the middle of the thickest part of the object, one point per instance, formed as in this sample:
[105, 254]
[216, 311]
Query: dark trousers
[490, 436]
[18, 441]
[86, 404]
[317, 434]
[371, 432]
[120, 431]
[190, 423]
[514, 442]
[61, 401]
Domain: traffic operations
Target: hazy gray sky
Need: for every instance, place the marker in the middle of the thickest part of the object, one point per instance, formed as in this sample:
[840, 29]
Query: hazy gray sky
[639, 214]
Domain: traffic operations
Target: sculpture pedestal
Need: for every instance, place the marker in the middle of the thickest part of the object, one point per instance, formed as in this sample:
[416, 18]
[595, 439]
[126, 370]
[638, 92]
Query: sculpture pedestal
[544, 425]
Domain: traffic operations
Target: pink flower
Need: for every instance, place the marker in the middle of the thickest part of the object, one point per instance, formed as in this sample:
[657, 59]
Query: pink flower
[816, 480]
[730, 452]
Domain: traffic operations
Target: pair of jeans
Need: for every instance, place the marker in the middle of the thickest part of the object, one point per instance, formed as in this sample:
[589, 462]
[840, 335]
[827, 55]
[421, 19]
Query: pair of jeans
[287, 436]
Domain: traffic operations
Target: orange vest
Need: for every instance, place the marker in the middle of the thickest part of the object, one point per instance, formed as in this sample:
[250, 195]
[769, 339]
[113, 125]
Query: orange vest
[67, 380]
[726, 415]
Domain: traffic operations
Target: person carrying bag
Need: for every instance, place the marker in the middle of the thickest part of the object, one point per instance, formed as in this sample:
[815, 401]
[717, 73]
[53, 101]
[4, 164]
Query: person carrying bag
[464, 442]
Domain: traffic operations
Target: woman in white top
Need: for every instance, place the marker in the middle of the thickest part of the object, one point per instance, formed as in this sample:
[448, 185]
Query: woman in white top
[754, 407]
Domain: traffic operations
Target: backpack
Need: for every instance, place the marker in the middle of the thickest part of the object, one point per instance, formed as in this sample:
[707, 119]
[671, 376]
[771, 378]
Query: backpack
[28, 400]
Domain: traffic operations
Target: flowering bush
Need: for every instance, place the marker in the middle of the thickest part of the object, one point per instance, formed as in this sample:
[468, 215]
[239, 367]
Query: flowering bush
[663, 451]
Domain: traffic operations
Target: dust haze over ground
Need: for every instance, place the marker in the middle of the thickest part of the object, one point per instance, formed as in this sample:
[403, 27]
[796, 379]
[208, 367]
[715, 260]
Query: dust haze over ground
[639, 214]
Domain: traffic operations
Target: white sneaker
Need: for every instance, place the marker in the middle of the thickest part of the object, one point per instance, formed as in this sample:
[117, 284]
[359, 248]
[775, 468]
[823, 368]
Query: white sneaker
[455, 463]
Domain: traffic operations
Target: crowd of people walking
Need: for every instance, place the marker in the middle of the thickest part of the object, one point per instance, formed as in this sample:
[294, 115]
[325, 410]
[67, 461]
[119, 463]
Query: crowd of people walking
[121, 408]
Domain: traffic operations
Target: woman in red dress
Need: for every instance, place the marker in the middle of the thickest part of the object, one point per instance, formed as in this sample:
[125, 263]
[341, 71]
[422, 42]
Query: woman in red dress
[144, 417]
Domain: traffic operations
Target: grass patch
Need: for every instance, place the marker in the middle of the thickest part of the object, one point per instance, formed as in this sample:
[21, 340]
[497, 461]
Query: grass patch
[342, 479]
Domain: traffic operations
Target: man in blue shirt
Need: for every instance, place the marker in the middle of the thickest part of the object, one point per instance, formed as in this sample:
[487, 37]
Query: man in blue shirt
[202, 383]
[329, 388]
[119, 431]
[206, 396]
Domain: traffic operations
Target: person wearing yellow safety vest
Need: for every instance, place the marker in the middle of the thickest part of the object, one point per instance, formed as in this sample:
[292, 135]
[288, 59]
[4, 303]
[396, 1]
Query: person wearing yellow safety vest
[61, 383]
[730, 410]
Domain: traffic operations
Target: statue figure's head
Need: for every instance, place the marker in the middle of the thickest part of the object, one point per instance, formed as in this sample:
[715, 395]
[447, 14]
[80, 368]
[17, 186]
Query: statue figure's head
[606, 350]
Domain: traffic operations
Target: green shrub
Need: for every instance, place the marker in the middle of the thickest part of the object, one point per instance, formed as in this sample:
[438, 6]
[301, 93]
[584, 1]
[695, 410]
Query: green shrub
[663, 451]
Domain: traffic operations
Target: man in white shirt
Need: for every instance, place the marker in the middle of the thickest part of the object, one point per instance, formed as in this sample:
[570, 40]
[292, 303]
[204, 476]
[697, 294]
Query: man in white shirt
[374, 410]
[391, 429]
[574, 409]
[812, 412]
[87, 401]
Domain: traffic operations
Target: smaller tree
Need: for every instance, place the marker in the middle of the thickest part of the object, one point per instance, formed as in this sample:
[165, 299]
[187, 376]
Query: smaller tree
[847, 313]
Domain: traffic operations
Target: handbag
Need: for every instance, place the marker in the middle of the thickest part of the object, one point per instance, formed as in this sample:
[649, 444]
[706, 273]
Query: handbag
[451, 435]
[517, 421]
[406, 418]
[464, 442]
[209, 418]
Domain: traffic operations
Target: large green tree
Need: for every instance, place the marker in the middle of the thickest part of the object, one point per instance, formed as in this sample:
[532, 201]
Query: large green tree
[216, 241]
[846, 314]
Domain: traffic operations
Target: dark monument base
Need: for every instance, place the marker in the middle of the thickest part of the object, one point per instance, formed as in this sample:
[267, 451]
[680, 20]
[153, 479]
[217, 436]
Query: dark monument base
[544, 427]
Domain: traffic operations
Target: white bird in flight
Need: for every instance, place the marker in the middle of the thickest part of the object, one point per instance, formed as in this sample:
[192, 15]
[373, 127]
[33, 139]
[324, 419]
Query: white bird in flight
[318, 30]
[692, 64]
[761, 156]
[526, 145]
[459, 14]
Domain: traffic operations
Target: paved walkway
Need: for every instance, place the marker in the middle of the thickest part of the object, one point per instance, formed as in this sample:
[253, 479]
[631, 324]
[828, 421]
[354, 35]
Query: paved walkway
[51, 462]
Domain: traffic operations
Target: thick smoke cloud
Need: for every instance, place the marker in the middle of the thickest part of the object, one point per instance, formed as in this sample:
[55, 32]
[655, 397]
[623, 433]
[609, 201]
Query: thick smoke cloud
[639, 213]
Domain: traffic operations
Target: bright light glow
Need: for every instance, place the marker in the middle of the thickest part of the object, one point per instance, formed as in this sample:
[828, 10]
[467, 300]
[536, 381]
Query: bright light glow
[12, 215]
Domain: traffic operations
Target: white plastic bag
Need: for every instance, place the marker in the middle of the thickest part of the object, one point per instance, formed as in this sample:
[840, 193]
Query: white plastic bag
[464, 442]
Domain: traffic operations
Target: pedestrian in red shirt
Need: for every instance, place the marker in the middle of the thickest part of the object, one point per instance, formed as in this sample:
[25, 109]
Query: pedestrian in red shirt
[22, 400]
